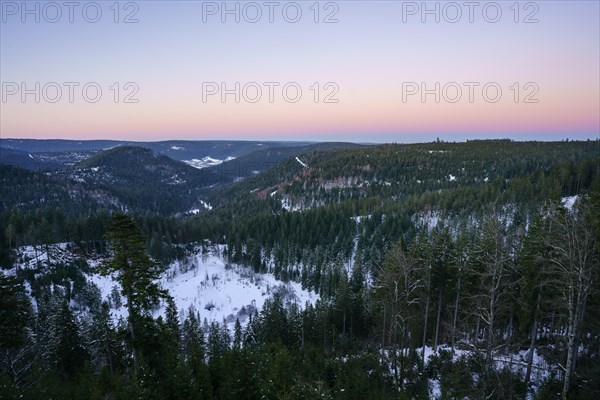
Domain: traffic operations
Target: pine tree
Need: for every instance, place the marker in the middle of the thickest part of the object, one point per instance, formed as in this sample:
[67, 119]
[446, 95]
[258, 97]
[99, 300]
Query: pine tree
[104, 345]
[15, 312]
[194, 352]
[66, 352]
[172, 320]
[135, 272]
[16, 336]
[237, 335]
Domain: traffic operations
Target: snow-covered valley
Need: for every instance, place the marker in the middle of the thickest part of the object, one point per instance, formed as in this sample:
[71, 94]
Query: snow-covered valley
[204, 283]
[206, 162]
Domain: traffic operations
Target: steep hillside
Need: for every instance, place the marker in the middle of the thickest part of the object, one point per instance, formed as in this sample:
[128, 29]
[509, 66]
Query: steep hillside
[190, 151]
[27, 190]
[349, 205]
[26, 160]
[252, 164]
[142, 180]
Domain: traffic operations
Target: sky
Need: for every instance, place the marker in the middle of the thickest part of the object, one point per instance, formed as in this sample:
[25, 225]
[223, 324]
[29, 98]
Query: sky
[369, 71]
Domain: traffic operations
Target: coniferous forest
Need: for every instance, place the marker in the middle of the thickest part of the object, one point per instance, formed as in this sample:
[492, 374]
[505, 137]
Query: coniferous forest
[436, 271]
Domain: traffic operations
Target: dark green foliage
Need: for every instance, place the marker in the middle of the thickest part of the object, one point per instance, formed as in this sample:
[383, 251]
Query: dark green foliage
[388, 282]
[66, 352]
[144, 181]
[15, 313]
[133, 268]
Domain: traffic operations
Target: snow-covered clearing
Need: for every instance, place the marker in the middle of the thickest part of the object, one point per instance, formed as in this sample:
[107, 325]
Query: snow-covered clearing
[569, 202]
[206, 162]
[218, 290]
[207, 283]
[516, 363]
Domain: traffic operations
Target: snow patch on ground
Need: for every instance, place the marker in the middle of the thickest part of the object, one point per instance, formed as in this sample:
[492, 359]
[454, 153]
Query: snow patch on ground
[429, 219]
[221, 291]
[301, 163]
[206, 162]
[435, 391]
[516, 363]
[360, 218]
[206, 205]
[177, 148]
[218, 290]
[569, 201]
[288, 204]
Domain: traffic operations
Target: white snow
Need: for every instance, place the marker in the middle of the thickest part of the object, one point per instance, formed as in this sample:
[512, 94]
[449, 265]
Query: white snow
[451, 178]
[206, 162]
[224, 292]
[206, 205]
[30, 156]
[218, 290]
[177, 148]
[430, 219]
[569, 201]
[435, 391]
[517, 363]
[207, 282]
[301, 163]
[360, 218]
[287, 204]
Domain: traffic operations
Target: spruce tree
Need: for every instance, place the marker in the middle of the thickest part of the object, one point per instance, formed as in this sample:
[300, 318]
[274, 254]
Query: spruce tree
[65, 347]
[135, 271]
[15, 312]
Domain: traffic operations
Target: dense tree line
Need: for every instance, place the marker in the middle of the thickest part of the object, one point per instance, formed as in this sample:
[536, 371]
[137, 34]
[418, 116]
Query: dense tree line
[489, 291]
[506, 277]
[166, 238]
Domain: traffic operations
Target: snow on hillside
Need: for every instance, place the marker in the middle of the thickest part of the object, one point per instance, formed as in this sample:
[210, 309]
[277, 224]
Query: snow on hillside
[514, 362]
[206, 162]
[288, 204]
[301, 163]
[218, 290]
[569, 202]
[206, 205]
[223, 291]
[429, 219]
[206, 282]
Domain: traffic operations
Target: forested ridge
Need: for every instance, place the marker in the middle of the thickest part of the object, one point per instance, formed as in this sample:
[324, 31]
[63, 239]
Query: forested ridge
[444, 270]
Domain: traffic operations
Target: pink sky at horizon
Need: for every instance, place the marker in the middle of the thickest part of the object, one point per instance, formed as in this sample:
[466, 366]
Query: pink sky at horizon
[369, 54]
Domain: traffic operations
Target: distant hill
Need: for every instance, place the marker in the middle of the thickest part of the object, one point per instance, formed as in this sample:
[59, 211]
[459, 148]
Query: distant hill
[258, 161]
[23, 159]
[28, 190]
[182, 150]
[418, 177]
[142, 180]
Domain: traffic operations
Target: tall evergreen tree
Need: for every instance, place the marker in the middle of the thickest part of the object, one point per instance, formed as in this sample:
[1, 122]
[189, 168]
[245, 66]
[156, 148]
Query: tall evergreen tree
[66, 352]
[135, 271]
